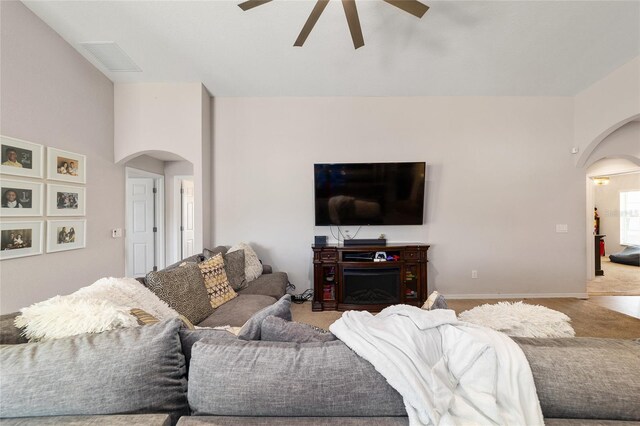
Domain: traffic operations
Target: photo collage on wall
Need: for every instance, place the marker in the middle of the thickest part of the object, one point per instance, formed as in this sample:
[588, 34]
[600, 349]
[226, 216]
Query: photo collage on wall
[22, 207]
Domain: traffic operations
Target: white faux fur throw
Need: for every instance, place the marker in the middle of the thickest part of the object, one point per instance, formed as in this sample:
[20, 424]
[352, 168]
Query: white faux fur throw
[63, 316]
[520, 320]
[102, 306]
[130, 293]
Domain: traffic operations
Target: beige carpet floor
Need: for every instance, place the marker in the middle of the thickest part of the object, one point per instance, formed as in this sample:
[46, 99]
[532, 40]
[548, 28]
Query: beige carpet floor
[588, 319]
[618, 280]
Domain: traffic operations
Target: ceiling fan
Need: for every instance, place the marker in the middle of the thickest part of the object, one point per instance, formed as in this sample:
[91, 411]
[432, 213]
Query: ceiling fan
[413, 7]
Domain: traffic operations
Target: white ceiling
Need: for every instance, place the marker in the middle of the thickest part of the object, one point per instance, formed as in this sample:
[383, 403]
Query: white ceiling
[536, 48]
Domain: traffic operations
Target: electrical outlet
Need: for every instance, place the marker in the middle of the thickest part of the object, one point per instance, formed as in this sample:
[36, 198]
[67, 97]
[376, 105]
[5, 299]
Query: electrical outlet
[474, 274]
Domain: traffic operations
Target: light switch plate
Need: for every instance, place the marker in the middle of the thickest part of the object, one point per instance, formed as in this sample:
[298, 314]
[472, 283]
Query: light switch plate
[562, 228]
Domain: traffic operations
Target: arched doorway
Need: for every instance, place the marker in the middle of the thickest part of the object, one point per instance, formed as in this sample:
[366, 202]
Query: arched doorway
[155, 215]
[617, 159]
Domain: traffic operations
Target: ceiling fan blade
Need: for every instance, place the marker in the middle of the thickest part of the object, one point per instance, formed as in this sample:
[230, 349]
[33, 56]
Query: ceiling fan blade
[250, 4]
[413, 7]
[311, 22]
[351, 13]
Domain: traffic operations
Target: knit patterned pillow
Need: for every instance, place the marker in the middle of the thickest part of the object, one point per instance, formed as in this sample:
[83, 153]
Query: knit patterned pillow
[215, 280]
[183, 289]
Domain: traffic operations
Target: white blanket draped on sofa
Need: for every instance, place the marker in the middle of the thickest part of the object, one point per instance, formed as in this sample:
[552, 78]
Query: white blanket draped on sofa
[448, 372]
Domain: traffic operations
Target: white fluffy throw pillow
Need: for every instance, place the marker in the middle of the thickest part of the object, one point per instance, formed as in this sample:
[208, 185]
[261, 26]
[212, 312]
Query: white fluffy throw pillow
[252, 265]
[63, 316]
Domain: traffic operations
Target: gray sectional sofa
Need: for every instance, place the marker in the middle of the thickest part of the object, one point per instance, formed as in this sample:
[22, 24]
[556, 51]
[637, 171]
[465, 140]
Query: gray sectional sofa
[259, 293]
[165, 374]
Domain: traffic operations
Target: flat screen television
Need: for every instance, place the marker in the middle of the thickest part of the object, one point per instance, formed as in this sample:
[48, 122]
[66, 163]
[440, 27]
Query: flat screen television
[369, 193]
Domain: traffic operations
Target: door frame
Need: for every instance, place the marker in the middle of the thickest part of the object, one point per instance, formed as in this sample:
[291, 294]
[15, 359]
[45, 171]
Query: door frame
[158, 182]
[591, 201]
[177, 207]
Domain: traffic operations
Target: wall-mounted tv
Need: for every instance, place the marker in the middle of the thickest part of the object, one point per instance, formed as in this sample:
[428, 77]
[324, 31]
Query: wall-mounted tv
[369, 193]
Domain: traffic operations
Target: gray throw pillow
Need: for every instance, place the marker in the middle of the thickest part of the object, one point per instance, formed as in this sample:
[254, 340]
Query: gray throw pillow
[435, 301]
[234, 267]
[251, 330]
[209, 253]
[440, 303]
[130, 370]
[183, 289]
[276, 329]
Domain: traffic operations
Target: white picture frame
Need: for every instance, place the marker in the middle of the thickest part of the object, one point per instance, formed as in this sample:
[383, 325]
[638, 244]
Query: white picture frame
[27, 200]
[28, 160]
[66, 200]
[63, 235]
[30, 235]
[66, 166]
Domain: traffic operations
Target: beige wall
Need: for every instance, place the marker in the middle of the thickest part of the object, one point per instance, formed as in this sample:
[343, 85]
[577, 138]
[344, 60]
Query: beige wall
[500, 176]
[54, 97]
[168, 118]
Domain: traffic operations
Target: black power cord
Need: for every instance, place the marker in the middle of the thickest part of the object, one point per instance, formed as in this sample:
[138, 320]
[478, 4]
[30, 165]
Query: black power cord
[301, 298]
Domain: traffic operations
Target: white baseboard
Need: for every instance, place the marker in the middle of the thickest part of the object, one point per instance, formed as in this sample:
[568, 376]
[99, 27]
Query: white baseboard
[516, 296]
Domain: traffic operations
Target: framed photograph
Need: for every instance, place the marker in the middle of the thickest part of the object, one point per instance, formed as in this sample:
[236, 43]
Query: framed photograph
[20, 239]
[20, 198]
[66, 166]
[66, 234]
[20, 158]
[65, 200]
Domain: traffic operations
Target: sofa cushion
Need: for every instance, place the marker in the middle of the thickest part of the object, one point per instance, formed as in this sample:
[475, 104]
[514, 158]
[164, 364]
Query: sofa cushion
[237, 311]
[189, 337]
[587, 422]
[274, 285]
[298, 421]
[215, 281]
[251, 330]
[252, 265]
[258, 378]
[276, 329]
[183, 289]
[585, 377]
[111, 420]
[133, 370]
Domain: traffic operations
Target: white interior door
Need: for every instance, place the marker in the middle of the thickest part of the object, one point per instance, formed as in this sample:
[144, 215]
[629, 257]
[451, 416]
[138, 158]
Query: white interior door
[187, 218]
[140, 227]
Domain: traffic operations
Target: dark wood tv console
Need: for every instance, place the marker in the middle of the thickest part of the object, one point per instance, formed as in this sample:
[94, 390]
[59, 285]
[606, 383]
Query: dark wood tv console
[346, 278]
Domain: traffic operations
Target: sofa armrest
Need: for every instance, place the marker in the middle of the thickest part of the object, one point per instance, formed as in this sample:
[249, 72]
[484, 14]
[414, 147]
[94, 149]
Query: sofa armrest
[267, 269]
[9, 333]
[273, 284]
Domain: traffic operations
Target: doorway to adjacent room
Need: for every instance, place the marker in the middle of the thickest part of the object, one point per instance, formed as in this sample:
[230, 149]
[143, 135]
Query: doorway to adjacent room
[144, 237]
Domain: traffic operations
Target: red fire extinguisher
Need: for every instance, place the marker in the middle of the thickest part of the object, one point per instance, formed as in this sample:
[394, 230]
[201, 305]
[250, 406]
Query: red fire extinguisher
[601, 248]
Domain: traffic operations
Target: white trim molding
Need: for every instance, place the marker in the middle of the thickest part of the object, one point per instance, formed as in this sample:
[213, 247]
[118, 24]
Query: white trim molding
[517, 296]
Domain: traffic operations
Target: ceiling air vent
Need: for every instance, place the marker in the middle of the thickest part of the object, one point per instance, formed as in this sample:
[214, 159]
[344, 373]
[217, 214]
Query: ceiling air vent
[111, 56]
